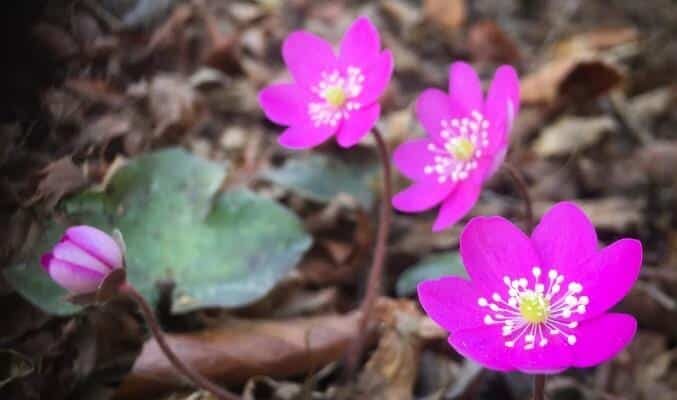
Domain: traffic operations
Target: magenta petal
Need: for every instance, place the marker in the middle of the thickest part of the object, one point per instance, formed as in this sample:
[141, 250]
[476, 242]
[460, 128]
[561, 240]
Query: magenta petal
[484, 346]
[45, 260]
[491, 248]
[432, 107]
[285, 104]
[68, 251]
[452, 303]
[74, 278]
[307, 56]
[502, 105]
[412, 157]
[376, 78]
[600, 339]
[421, 196]
[465, 87]
[553, 358]
[96, 243]
[608, 276]
[357, 125]
[305, 136]
[360, 43]
[565, 237]
[458, 204]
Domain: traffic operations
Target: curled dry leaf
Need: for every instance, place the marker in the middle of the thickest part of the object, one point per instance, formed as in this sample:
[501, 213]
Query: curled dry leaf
[487, 42]
[659, 160]
[595, 41]
[242, 349]
[570, 79]
[391, 370]
[613, 213]
[572, 134]
[448, 15]
[174, 105]
[59, 178]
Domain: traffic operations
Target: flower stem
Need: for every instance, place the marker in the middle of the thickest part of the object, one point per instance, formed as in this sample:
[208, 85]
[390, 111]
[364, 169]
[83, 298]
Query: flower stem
[521, 184]
[189, 372]
[539, 387]
[376, 272]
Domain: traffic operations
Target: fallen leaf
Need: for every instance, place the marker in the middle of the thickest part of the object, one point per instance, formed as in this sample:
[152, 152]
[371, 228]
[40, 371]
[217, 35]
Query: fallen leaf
[174, 105]
[60, 177]
[572, 134]
[13, 366]
[594, 41]
[659, 160]
[242, 349]
[613, 213]
[487, 42]
[569, 80]
[448, 15]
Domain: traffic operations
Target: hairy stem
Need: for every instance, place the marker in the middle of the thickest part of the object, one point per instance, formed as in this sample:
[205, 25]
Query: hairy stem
[539, 387]
[376, 272]
[521, 185]
[189, 372]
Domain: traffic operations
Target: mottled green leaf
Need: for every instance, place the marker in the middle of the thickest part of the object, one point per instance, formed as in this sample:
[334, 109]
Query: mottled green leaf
[321, 178]
[220, 249]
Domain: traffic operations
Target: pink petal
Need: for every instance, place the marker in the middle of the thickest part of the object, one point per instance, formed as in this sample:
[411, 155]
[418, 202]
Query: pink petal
[465, 87]
[68, 251]
[285, 104]
[553, 358]
[307, 56]
[305, 136]
[421, 196]
[458, 204]
[377, 76]
[452, 303]
[491, 248]
[565, 237]
[74, 278]
[484, 346]
[412, 157]
[608, 276]
[432, 107]
[600, 339]
[358, 125]
[502, 105]
[97, 243]
[360, 43]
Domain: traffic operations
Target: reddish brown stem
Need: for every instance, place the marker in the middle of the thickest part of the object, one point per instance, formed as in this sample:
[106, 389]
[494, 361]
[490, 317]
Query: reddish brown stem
[189, 372]
[539, 387]
[523, 189]
[376, 272]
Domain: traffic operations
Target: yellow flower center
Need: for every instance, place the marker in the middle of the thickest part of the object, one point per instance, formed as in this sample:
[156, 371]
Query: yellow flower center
[335, 95]
[534, 307]
[462, 149]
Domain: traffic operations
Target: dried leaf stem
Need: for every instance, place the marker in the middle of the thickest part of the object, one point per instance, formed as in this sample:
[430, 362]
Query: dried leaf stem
[521, 185]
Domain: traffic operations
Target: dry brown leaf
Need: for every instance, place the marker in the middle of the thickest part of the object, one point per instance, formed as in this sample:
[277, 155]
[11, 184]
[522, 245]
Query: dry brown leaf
[659, 160]
[613, 213]
[595, 41]
[59, 178]
[174, 105]
[449, 15]
[391, 370]
[570, 79]
[487, 42]
[572, 134]
[234, 353]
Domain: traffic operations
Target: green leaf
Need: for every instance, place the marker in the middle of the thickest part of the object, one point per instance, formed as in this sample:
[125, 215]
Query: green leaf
[222, 250]
[431, 267]
[321, 178]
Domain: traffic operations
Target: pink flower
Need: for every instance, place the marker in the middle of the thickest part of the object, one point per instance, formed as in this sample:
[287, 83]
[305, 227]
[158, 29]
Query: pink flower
[467, 141]
[331, 94]
[539, 304]
[82, 259]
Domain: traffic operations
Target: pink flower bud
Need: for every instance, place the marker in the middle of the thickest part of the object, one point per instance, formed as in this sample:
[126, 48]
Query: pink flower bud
[82, 259]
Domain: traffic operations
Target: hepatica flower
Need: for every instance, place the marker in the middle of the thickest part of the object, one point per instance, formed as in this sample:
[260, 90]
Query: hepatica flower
[539, 304]
[467, 139]
[332, 93]
[82, 259]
